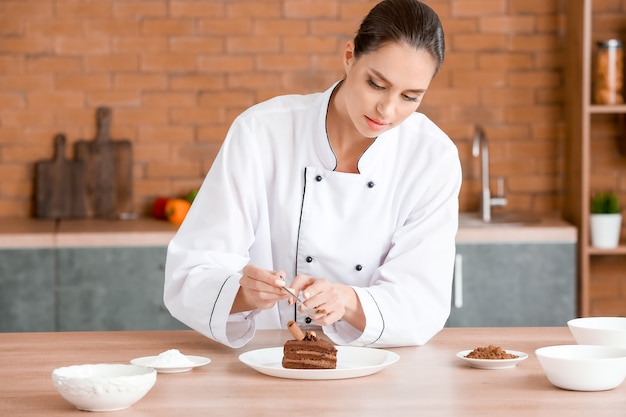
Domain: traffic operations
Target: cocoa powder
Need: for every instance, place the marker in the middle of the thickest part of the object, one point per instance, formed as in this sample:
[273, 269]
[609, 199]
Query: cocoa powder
[490, 352]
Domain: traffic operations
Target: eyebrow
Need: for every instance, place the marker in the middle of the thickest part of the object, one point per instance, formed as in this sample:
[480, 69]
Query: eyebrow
[382, 77]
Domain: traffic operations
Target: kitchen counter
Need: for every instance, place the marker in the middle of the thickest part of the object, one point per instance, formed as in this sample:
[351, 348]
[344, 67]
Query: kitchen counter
[427, 380]
[548, 229]
[48, 268]
[26, 233]
[39, 233]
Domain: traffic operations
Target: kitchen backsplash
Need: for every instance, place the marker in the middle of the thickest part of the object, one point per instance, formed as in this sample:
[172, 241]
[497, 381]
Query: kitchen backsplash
[175, 74]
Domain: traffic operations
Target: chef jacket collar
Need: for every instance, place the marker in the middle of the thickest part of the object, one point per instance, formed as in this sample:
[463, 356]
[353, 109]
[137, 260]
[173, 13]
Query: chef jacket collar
[373, 155]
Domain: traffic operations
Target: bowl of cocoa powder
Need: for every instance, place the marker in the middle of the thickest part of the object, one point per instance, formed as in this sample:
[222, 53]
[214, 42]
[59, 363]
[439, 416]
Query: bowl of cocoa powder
[492, 357]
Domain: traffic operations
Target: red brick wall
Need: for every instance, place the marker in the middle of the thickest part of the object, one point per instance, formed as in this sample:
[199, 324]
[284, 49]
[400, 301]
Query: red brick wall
[176, 73]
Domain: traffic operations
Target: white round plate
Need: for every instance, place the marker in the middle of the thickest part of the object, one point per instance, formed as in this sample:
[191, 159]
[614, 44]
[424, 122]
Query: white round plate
[147, 360]
[352, 362]
[493, 363]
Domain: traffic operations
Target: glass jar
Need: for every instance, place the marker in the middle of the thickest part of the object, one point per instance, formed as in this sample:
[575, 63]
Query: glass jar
[609, 72]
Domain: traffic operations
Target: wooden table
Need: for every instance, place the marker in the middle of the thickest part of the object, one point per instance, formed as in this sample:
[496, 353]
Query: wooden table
[427, 381]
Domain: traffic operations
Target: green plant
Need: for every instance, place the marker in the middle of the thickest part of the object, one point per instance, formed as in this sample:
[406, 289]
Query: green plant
[605, 202]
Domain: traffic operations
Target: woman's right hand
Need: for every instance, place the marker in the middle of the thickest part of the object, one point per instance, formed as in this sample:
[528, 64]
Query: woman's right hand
[258, 289]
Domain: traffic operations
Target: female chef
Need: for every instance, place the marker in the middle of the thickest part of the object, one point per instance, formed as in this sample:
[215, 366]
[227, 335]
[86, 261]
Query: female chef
[348, 197]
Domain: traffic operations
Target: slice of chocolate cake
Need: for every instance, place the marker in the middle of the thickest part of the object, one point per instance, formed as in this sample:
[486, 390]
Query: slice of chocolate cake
[307, 351]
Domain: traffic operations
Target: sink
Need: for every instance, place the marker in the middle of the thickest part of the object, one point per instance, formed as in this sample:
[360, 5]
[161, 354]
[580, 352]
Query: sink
[497, 219]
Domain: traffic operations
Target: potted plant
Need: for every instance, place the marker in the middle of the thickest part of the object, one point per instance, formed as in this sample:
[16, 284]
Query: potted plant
[606, 220]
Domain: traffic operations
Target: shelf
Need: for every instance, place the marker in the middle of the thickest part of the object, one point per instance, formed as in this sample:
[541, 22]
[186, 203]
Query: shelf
[607, 108]
[620, 250]
[600, 271]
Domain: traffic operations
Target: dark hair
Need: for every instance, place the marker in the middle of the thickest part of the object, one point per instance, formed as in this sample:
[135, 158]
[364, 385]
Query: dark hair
[408, 21]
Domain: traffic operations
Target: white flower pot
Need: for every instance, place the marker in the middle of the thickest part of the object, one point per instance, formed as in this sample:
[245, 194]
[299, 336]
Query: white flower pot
[605, 230]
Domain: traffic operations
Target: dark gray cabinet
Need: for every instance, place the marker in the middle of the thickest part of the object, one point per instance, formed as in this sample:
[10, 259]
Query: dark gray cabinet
[514, 284]
[112, 288]
[81, 289]
[27, 290]
[121, 288]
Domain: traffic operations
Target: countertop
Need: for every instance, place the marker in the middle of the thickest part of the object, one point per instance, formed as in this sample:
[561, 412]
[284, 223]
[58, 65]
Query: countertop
[547, 229]
[40, 233]
[427, 380]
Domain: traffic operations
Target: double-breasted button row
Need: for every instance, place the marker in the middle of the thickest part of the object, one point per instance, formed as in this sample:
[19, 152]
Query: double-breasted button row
[309, 259]
[370, 184]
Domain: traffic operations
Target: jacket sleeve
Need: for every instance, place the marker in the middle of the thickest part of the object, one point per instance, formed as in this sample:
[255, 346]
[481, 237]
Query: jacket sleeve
[206, 256]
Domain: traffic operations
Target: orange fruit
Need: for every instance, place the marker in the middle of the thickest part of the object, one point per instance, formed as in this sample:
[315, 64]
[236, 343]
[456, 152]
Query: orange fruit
[176, 209]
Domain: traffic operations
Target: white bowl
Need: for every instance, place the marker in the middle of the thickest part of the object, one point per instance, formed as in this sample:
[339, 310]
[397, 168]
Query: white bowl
[609, 331]
[583, 367]
[103, 387]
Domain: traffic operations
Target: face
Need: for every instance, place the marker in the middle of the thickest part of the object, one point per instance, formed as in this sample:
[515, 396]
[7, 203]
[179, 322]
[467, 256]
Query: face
[384, 87]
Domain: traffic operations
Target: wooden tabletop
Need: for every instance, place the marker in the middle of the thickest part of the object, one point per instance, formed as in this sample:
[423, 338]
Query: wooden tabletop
[427, 381]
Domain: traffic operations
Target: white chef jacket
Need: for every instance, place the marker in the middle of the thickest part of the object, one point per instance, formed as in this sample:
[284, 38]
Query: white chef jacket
[273, 199]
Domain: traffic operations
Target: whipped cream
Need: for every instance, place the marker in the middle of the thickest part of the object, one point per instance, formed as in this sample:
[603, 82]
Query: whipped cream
[169, 359]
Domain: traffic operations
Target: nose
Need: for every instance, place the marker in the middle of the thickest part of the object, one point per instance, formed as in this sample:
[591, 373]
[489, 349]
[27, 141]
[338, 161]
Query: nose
[384, 107]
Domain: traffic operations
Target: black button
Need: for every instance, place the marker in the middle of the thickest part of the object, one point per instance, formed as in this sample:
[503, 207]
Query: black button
[308, 320]
[318, 178]
[358, 267]
[371, 184]
[309, 259]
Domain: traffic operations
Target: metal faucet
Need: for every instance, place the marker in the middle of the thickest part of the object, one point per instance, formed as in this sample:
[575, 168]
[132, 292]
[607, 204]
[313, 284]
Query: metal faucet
[480, 147]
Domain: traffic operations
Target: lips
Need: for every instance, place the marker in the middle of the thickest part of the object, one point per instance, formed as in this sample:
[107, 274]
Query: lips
[375, 124]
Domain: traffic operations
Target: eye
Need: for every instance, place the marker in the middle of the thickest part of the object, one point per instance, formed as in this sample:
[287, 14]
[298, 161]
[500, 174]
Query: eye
[374, 85]
[411, 98]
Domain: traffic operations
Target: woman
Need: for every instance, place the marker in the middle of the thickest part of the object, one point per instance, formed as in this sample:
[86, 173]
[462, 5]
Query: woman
[348, 197]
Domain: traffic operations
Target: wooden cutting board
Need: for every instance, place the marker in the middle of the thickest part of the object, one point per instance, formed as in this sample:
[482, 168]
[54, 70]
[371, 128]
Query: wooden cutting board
[60, 185]
[109, 165]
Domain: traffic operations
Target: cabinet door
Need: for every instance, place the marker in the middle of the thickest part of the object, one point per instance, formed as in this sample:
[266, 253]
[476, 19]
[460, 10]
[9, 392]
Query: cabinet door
[27, 290]
[515, 285]
[112, 289]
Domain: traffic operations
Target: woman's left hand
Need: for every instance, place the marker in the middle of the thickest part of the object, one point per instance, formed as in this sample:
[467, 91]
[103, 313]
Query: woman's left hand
[333, 300]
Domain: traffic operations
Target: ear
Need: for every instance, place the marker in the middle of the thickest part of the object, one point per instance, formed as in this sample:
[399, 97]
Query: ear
[348, 56]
